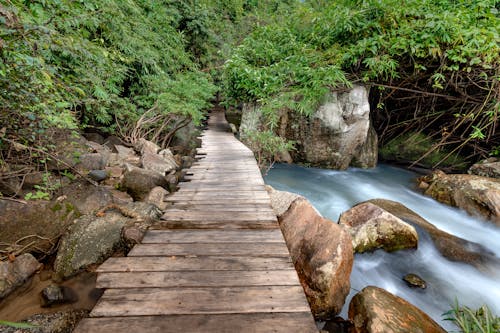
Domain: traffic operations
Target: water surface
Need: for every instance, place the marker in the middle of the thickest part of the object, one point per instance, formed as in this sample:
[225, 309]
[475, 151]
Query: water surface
[333, 192]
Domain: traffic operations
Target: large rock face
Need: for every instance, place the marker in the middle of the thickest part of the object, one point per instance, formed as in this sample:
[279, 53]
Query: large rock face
[374, 310]
[478, 196]
[321, 251]
[337, 135]
[452, 247]
[92, 239]
[14, 274]
[139, 182]
[34, 224]
[373, 228]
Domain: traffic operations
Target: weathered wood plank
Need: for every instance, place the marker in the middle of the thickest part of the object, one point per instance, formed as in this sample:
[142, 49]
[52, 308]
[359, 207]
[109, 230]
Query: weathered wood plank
[207, 249]
[214, 201]
[218, 216]
[200, 263]
[212, 236]
[167, 301]
[165, 224]
[297, 322]
[197, 279]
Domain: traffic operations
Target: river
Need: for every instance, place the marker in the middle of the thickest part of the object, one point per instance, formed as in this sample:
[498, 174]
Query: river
[333, 192]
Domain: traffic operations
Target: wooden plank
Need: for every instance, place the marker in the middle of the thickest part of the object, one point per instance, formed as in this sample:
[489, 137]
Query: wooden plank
[225, 194]
[297, 322]
[167, 301]
[217, 216]
[165, 224]
[200, 263]
[212, 236]
[244, 207]
[197, 279]
[210, 249]
[214, 201]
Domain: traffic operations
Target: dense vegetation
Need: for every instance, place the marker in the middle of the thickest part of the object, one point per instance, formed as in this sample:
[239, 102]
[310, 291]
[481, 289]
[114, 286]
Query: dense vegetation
[132, 68]
[433, 67]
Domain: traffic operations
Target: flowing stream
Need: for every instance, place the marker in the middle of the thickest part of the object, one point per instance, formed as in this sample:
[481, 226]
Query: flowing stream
[333, 192]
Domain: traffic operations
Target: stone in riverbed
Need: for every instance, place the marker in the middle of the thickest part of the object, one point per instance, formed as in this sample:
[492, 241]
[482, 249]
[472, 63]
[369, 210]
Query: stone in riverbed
[414, 281]
[157, 196]
[478, 196]
[54, 294]
[375, 310]
[14, 274]
[321, 252]
[373, 228]
[98, 175]
[451, 247]
[139, 182]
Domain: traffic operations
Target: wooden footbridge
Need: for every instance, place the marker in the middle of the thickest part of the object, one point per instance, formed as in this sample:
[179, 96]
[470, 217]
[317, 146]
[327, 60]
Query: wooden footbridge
[216, 262]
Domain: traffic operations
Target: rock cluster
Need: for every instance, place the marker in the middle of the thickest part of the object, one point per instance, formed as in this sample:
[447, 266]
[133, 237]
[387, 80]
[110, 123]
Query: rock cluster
[338, 135]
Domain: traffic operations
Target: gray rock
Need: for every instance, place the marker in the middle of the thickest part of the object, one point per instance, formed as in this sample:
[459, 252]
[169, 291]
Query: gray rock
[139, 182]
[92, 161]
[172, 181]
[54, 295]
[187, 162]
[95, 137]
[414, 281]
[14, 274]
[372, 227]
[487, 168]
[168, 156]
[92, 239]
[87, 198]
[156, 163]
[59, 322]
[112, 141]
[47, 219]
[89, 241]
[98, 175]
[144, 146]
[69, 147]
[156, 197]
[336, 136]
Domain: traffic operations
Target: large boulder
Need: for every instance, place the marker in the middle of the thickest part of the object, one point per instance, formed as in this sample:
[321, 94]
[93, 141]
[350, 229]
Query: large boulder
[91, 239]
[452, 247]
[486, 168]
[139, 182]
[34, 225]
[14, 274]
[321, 252]
[144, 146]
[337, 135]
[85, 197]
[156, 163]
[478, 196]
[373, 228]
[374, 310]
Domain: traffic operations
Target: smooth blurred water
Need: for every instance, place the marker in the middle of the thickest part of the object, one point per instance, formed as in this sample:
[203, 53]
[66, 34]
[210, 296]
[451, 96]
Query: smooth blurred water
[333, 192]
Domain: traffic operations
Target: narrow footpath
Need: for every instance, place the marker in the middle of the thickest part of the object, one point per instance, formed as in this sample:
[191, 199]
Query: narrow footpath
[216, 262]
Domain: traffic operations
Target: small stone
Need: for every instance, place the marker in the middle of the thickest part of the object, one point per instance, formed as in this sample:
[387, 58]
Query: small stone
[98, 175]
[132, 235]
[414, 281]
[55, 294]
[14, 274]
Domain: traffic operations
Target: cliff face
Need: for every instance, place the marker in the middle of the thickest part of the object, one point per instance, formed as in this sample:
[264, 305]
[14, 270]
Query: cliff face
[338, 135]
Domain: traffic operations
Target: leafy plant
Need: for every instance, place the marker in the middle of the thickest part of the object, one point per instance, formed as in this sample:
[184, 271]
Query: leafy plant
[266, 145]
[473, 321]
[16, 325]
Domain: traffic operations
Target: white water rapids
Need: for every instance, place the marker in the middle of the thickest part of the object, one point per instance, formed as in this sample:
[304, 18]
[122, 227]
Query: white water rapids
[333, 192]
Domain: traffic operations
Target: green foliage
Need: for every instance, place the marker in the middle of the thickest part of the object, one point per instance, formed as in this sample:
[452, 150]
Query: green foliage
[266, 145]
[44, 190]
[67, 63]
[448, 48]
[473, 321]
[16, 325]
